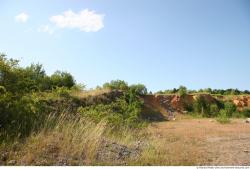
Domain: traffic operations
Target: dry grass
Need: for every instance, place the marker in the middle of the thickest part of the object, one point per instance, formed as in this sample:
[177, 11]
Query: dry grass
[61, 142]
[186, 141]
[197, 142]
[67, 141]
[87, 93]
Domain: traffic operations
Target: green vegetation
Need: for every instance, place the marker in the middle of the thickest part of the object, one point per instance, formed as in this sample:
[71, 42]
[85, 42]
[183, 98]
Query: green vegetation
[21, 109]
[37, 110]
[124, 111]
[246, 112]
[223, 111]
[223, 117]
[207, 91]
[182, 91]
[138, 89]
[116, 85]
[29, 96]
[56, 110]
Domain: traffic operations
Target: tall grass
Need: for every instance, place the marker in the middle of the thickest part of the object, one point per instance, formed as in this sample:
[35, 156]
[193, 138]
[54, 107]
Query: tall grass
[63, 140]
[68, 140]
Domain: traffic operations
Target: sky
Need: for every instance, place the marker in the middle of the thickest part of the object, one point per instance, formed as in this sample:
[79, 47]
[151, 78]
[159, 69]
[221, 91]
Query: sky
[160, 43]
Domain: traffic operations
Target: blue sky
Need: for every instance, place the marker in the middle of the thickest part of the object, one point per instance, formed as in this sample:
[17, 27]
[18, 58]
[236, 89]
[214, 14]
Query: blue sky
[160, 43]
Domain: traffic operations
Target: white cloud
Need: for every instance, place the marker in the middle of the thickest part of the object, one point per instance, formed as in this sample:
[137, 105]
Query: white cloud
[22, 17]
[85, 20]
[46, 29]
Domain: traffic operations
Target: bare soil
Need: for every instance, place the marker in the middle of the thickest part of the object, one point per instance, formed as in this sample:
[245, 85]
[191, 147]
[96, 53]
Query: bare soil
[204, 141]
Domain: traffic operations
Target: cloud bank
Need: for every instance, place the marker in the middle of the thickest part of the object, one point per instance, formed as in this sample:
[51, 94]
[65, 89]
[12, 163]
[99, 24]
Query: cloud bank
[86, 20]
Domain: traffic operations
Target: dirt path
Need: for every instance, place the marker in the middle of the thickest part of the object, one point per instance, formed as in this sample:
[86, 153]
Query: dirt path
[203, 142]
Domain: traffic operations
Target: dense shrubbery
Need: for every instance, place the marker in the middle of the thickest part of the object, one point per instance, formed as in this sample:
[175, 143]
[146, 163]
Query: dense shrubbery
[221, 110]
[116, 85]
[246, 112]
[138, 89]
[18, 80]
[124, 111]
[27, 96]
[21, 111]
[182, 91]
[201, 106]
[223, 117]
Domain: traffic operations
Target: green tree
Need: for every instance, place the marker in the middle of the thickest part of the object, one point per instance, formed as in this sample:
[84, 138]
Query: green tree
[116, 85]
[62, 79]
[139, 89]
[182, 91]
[208, 90]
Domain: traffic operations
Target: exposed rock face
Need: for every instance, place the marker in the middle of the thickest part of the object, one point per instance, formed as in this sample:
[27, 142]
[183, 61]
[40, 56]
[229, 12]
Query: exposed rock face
[242, 101]
[168, 105]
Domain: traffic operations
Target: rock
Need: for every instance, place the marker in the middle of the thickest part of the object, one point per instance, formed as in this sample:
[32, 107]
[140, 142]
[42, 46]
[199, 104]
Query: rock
[246, 151]
[111, 151]
[247, 120]
[11, 162]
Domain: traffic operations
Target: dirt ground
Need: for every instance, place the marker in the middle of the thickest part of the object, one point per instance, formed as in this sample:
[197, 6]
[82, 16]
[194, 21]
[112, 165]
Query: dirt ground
[203, 141]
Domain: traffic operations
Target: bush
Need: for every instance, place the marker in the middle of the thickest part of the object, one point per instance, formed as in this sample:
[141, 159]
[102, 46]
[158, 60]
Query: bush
[19, 116]
[223, 117]
[246, 112]
[116, 85]
[123, 112]
[238, 114]
[62, 79]
[214, 110]
[230, 108]
[138, 89]
[2, 90]
[61, 92]
[21, 111]
[182, 91]
[201, 107]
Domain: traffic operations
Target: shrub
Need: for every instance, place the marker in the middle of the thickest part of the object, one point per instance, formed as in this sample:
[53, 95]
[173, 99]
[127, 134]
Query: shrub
[123, 112]
[223, 117]
[19, 116]
[214, 110]
[61, 92]
[201, 107]
[138, 89]
[182, 91]
[116, 85]
[246, 112]
[62, 79]
[230, 108]
[2, 90]
[238, 114]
